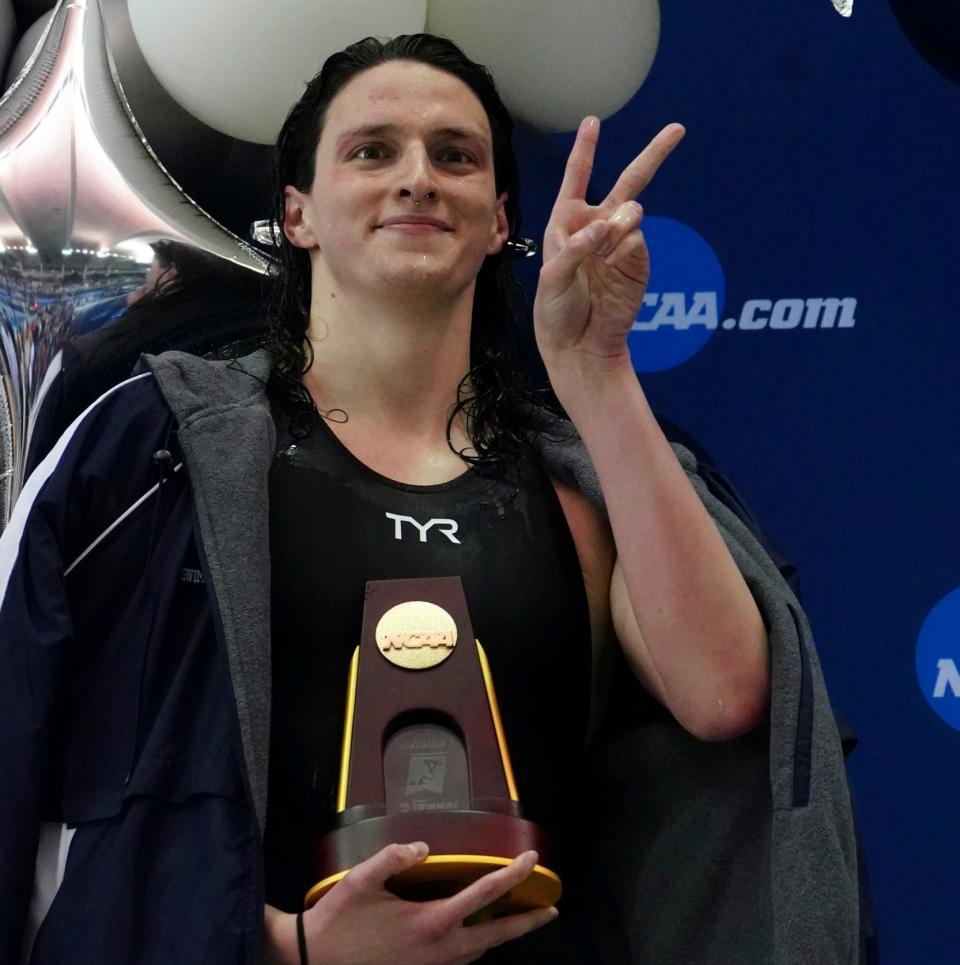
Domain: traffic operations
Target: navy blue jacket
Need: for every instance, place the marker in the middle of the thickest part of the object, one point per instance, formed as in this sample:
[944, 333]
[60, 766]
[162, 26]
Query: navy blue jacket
[118, 716]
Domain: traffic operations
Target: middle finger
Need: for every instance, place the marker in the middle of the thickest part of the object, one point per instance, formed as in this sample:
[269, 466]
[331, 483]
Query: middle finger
[640, 171]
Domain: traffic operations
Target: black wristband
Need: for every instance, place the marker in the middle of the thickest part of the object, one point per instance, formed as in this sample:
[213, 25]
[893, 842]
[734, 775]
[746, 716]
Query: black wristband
[302, 940]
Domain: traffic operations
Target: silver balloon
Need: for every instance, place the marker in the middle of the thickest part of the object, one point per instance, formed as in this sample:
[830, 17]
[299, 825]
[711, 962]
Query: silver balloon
[82, 199]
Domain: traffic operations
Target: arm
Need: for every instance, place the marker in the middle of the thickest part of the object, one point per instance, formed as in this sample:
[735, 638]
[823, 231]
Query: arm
[681, 610]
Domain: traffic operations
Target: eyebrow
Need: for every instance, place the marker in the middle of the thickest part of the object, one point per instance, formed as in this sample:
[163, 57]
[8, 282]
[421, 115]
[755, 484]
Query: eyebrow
[377, 130]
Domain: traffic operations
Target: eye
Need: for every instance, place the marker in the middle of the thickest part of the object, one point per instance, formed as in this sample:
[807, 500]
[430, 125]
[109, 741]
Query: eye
[454, 155]
[370, 152]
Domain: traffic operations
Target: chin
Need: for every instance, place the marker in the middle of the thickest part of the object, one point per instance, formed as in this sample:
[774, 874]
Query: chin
[419, 272]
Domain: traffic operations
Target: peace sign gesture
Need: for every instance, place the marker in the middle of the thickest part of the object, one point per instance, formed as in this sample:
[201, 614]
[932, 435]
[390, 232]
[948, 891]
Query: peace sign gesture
[595, 260]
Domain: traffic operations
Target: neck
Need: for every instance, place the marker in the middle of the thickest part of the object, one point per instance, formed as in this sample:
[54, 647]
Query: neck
[395, 361]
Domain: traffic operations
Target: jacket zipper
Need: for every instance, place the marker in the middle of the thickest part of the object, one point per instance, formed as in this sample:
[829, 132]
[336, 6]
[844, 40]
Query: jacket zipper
[164, 461]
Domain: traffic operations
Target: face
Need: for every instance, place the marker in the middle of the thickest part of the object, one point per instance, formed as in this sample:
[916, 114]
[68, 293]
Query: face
[156, 276]
[404, 193]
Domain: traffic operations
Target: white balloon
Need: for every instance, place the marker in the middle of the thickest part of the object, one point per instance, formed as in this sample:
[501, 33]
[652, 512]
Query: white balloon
[239, 65]
[555, 61]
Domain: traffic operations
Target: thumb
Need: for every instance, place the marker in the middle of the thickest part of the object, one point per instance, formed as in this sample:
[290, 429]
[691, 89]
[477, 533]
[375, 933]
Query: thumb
[387, 862]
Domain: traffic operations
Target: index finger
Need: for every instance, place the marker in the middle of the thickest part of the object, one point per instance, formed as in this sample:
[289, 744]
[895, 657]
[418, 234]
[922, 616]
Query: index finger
[640, 171]
[576, 175]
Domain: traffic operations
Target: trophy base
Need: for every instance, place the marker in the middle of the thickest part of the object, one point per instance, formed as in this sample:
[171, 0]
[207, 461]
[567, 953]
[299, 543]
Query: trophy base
[447, 869]
[442, 875]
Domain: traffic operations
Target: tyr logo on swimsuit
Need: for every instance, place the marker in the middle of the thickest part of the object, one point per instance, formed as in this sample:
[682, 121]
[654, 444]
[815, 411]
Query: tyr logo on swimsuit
[447, 527]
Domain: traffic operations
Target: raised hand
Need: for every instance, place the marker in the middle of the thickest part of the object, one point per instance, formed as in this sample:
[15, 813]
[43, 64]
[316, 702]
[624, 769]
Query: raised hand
[360, 922]
[595, 261]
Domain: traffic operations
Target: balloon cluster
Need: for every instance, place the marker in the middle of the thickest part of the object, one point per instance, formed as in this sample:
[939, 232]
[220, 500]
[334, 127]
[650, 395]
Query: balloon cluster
[238, 64]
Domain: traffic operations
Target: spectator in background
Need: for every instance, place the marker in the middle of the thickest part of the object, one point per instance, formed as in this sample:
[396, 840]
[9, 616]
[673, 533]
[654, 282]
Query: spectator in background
[190, 300]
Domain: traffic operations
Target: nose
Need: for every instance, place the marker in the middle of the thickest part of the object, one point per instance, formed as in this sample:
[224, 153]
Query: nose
[417, 180]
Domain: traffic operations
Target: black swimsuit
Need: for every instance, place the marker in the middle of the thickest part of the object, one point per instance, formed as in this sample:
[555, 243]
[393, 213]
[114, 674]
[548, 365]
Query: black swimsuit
[335, 524]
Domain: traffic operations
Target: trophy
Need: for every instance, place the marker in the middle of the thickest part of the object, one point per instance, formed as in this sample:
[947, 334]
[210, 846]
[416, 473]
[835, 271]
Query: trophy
[424, 754]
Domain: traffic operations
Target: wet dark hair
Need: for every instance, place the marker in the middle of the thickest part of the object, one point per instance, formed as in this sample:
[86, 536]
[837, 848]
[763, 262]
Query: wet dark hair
[492, 395]
[193, 266]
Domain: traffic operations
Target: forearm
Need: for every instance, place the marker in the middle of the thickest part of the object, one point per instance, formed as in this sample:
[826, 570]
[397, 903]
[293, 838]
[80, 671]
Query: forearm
[699, 642]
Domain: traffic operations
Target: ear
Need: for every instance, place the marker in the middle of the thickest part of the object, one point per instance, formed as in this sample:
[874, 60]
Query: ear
[501, 229]
[296, 225]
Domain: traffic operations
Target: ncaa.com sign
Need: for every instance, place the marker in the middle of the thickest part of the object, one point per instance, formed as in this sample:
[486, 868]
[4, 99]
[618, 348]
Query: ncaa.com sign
[683, 307]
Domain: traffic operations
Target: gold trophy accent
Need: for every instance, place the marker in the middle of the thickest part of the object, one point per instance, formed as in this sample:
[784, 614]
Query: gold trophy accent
[416, 635]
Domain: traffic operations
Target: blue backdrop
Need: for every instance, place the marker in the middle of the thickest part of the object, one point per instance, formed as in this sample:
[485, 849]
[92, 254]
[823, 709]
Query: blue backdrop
[802, 324]
[821, 164]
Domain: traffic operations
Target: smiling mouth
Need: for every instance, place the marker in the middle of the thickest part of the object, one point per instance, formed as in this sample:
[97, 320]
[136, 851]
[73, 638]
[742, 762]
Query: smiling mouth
[416, 224]
[408, 227]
